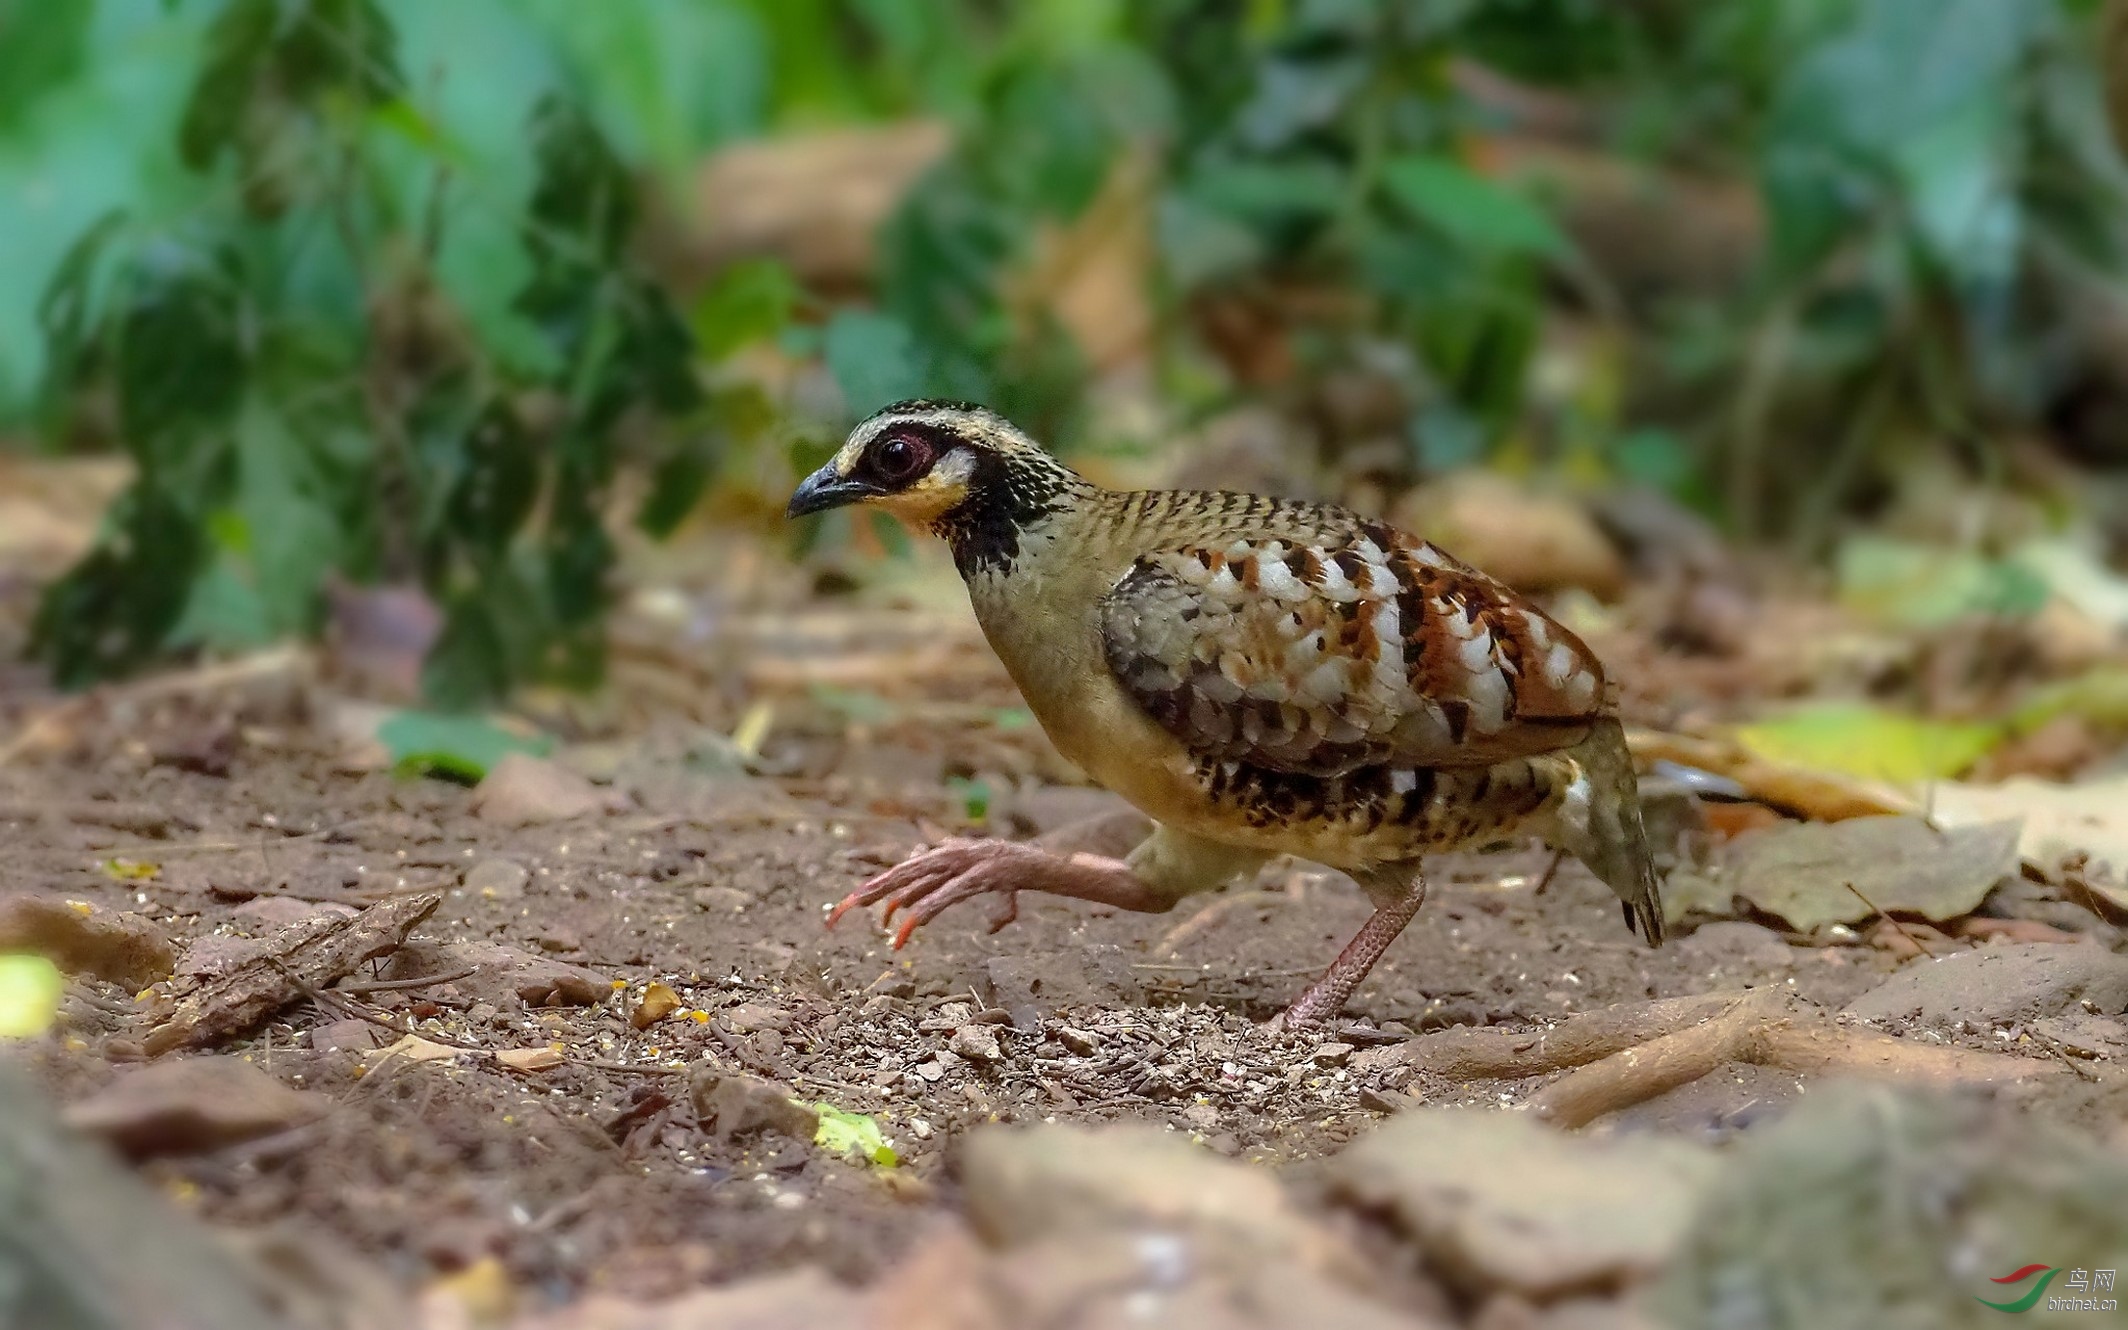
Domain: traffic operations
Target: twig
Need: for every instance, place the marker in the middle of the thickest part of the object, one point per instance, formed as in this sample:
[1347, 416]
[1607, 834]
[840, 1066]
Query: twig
[368, 986]
[1466, 1053]
[1765, 1028]
[1871, 906]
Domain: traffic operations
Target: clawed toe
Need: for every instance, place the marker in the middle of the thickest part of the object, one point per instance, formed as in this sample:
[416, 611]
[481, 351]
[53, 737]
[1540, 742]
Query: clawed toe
[926, 884]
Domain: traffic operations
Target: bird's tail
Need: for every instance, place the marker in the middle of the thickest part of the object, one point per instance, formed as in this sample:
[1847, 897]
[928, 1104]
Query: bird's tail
[1601, 826]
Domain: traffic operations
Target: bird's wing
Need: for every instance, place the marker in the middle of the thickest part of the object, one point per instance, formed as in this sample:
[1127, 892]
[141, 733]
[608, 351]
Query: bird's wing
[1364, 648]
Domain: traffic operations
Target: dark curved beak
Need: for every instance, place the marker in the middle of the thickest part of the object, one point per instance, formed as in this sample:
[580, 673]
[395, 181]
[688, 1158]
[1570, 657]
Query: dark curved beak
[824, 489]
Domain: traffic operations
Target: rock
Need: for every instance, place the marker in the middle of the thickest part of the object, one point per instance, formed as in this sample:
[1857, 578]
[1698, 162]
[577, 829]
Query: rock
[977, 1043]
[497, 879]
[522, 791]
[1865, 1206]
[80, 938]
[349, 1036]
[1996, 986]
[1499, 1201]
[191, 1105]
[1027, 1185]
[1118, 1281]
[801, 1299]
[747, 1017]
[218, 953]
[728, 1104]
[501, 974]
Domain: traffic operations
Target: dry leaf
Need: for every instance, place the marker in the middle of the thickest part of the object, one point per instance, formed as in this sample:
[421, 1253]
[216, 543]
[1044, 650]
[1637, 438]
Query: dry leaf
[530, 1059]
[414, 1048]
[659, 1001]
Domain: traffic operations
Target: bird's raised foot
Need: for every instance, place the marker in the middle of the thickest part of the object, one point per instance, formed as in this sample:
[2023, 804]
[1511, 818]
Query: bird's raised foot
[927, 884]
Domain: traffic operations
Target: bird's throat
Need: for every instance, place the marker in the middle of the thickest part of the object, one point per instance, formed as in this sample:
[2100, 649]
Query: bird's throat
[1010, 499]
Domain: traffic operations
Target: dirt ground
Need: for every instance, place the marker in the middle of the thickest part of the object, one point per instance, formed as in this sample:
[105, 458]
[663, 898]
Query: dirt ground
[245, 809]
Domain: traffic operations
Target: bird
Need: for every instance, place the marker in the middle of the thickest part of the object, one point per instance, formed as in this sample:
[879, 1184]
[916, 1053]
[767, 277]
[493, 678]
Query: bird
[1259, 676]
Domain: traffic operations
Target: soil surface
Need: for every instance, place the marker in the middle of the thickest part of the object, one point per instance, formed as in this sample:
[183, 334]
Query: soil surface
[245, 810]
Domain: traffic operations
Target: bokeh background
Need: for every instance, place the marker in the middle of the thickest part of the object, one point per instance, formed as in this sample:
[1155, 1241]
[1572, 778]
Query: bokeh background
[399, 400]
[377, 292]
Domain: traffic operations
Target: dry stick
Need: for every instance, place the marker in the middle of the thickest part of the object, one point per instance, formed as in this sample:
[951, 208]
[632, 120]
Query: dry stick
[1766, 1028]
[368, 986]
[1871, 906]
[1466, 1053]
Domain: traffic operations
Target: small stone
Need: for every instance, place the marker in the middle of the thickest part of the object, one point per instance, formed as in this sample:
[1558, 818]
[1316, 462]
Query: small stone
[930, 1070]
[191, 1105]
[728, 1104]
[349, 1036]
[217, 954]
[1027, 1185]
[1078, 1041]
[501, 975]
[497, 879]
[80, 938]
[1201, 1117]
[747, 1017]
[1500, 1201]
[524, 791]
[977, 1043]
[1333, 1054]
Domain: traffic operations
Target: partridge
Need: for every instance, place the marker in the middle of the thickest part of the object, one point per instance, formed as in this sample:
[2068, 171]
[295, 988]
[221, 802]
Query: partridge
[1259, 676]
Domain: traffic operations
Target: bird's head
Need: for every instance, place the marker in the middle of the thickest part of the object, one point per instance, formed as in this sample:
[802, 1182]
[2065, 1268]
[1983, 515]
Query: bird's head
[942, 466]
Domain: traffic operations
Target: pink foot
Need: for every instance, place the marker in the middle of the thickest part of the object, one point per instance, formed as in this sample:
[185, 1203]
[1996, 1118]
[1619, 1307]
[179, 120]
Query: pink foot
[928, 884]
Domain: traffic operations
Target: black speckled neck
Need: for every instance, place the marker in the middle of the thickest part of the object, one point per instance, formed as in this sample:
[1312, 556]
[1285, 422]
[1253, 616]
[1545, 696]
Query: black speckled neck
[1009, 493]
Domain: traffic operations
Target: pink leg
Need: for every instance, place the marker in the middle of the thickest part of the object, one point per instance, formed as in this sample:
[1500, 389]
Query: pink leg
[958, 870]
[1326, 997]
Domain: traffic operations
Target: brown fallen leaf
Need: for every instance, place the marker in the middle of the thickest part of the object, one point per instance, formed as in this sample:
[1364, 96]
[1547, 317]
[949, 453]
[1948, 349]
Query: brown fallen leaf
[531, 1059]
[658, 1001]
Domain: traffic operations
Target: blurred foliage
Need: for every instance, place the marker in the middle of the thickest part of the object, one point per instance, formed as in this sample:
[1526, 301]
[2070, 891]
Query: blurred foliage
[304, 398]
[375, 310]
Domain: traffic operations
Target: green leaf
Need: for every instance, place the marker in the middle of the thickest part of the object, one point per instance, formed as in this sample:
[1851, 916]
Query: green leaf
[453, 746]
[1857, 739]
[1470, 210]
[1919, 585]
[748, 302]
[842, 1132]
[675, 486]
[30, 990]
[875, 360]
[181, 346]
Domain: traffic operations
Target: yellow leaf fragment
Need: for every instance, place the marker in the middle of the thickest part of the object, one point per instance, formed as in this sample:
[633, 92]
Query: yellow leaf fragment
[659, 1000]
[30, 989]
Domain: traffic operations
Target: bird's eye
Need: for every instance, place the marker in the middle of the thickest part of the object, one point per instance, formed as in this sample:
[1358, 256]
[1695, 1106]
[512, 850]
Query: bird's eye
[899, 460]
